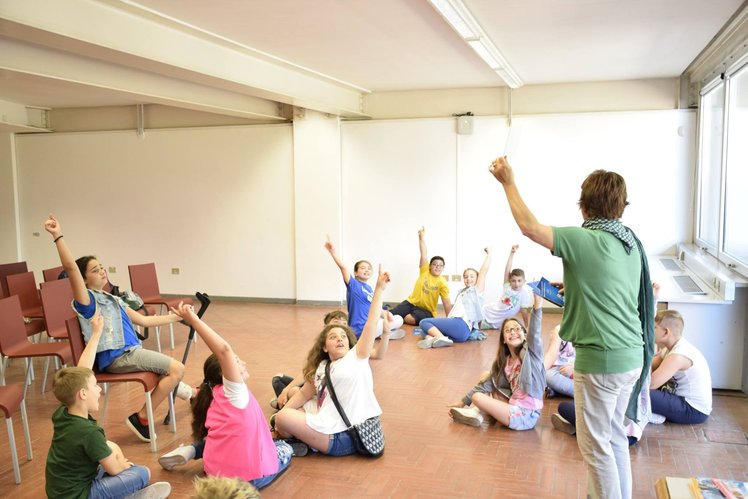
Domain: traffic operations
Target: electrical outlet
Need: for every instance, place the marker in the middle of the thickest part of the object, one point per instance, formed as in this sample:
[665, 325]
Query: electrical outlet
[175, 271]
[112, 270]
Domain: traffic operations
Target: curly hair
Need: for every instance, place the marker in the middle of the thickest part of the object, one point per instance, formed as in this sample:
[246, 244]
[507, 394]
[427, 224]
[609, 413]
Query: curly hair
[317, 354]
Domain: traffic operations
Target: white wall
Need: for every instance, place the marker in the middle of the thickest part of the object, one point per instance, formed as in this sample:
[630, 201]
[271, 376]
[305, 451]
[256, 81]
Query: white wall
[244, 211]
[420, 172]
[8, 239]
[217, 203]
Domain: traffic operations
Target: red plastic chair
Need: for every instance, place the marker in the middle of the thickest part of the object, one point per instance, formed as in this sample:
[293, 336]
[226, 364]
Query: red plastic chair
[24, 286]
[52, 274]
[7, 269]
[144, 282]
[15, 344]
[148, 379]
[56, 297]
[11, 399]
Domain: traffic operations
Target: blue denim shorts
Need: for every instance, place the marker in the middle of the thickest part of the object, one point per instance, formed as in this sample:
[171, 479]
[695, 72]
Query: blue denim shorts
[521, 418]
[340, 445]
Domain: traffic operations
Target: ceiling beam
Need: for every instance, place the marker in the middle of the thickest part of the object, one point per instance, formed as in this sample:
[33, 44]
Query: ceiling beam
[121, 33]
[124, 83]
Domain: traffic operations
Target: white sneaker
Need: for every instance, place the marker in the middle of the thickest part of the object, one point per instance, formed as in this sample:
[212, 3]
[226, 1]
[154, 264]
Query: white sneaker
[177, 457]
[158, 490]
[656, 418]
[442, 341]
[184, 391]
[427, 342]
[397, 334]
[467, 415]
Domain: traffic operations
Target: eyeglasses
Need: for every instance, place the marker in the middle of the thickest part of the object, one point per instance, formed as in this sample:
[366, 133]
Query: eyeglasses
[514, 329]
[438, 265]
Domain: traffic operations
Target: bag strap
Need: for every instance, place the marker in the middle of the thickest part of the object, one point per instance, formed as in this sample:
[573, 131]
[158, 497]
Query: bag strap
[330, 389]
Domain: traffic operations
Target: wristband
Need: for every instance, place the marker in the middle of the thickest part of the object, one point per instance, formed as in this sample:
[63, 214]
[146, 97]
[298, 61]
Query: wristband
[57, 238]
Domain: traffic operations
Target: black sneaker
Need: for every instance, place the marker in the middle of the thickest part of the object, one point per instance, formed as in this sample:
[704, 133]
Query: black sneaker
[139, 429]
[300, 449]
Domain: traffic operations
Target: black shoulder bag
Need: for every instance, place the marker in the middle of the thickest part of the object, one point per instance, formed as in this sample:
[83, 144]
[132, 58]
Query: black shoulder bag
[367, 437]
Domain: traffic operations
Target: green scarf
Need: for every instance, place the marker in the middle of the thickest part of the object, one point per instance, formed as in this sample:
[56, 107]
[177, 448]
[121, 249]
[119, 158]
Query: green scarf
[646, 305]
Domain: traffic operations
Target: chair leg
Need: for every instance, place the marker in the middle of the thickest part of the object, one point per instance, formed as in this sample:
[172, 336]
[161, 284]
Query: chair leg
[26, 432]
[46, 370]
[27, 378]
[151, 422]
[29, 369]
[172, 416]
[13, 454]
[102, 412]
[158, 338]
[2, 369]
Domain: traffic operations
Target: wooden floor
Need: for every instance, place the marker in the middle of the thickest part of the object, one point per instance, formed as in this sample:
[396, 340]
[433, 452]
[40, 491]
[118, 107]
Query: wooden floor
[427, 455]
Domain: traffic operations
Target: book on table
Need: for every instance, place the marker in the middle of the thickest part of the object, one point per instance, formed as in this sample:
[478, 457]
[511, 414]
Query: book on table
[700, 488]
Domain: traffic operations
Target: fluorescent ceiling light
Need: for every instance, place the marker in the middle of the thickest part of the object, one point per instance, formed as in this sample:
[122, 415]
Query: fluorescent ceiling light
[462, 21]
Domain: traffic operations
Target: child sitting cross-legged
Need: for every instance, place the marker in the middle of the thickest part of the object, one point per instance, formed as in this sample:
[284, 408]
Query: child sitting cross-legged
[81, 462]
[517, 373]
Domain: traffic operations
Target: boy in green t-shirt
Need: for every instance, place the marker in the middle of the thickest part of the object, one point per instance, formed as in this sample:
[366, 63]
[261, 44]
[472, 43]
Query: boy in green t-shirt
[81, 462]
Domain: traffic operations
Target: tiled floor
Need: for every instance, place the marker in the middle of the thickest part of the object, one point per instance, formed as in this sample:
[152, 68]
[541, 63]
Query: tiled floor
[427, 455]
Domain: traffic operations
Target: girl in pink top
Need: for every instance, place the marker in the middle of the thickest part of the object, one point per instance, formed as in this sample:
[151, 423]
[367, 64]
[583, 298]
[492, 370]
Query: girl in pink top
[230, 430]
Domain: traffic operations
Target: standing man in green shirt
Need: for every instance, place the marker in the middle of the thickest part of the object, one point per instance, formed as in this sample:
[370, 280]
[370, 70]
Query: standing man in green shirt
[608, 317]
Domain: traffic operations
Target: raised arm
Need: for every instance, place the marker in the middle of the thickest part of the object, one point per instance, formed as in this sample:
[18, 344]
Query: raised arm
[553, 350]
[422, 247]
[88, 356]
[368, 335]
[151, 320]
[226, 356]
[528, 224]
[343, 269]
[80, 293]
[510, 262]
[480, 283]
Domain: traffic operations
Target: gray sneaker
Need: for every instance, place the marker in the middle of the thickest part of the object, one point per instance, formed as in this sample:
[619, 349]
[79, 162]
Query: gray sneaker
[442, 341]
[656, 418]
[427, 342]
[397, 334]
[158, 490]
[466, 415]
[177, 457]
[561, 424]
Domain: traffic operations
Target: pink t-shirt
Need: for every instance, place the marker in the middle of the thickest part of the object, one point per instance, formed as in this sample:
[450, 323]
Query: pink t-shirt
[239, 443]
[519, 398]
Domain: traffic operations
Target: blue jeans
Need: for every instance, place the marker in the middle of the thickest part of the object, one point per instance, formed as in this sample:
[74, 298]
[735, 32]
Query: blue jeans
[455, 328]
[284, 452]
[675, 408]
[559, 383]
[341, 445]
[127, 482]
[601, 401]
